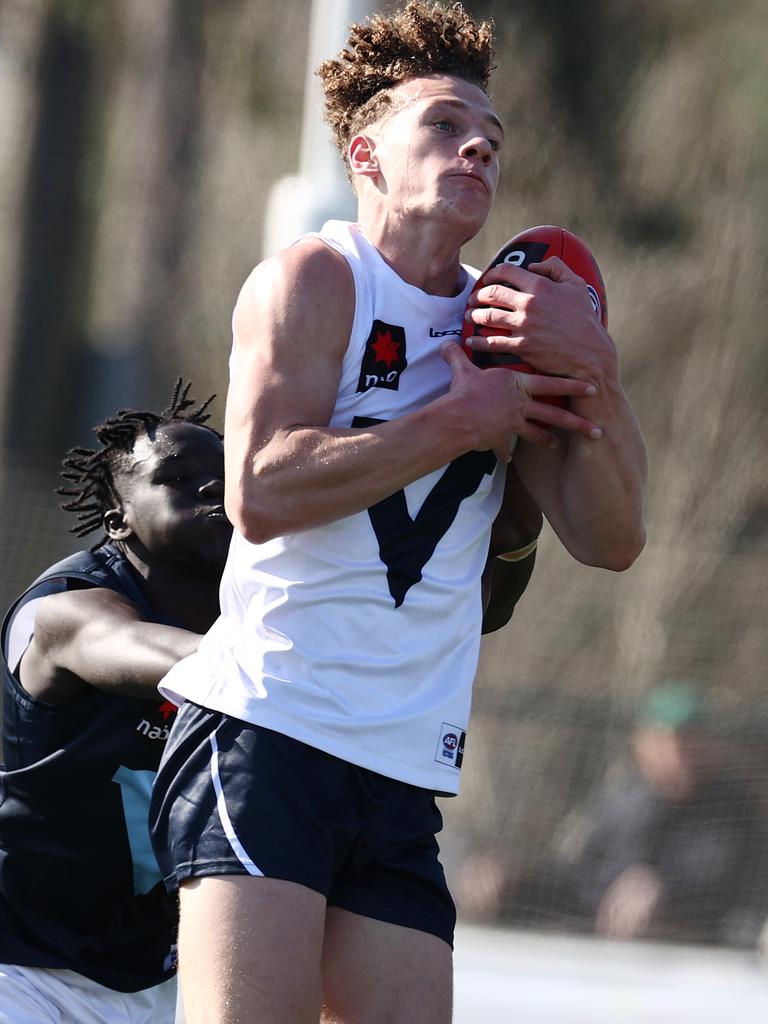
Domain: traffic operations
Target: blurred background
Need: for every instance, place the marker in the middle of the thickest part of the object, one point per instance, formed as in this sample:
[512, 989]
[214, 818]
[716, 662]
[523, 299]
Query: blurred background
[616, 780]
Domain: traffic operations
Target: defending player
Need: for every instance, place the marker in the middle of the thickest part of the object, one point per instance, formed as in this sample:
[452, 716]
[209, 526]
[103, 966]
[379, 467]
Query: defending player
[365, 465]
[86, 928]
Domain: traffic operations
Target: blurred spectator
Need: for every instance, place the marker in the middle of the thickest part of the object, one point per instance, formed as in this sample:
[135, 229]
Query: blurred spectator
[677, 848]
[674, 849]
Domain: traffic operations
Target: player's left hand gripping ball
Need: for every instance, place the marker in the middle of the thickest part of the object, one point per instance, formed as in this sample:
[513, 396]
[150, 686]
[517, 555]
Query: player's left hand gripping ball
[533, 246]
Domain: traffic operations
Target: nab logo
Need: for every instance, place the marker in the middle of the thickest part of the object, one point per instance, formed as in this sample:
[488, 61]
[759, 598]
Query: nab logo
[158, 732]
[153, 732]
[384, 357]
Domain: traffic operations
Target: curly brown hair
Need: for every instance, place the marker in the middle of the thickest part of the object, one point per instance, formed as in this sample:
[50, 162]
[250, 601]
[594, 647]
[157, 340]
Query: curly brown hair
[423, 38]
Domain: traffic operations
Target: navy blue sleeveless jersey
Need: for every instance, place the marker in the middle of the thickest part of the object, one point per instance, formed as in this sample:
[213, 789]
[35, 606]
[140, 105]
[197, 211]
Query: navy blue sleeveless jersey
[79, 886]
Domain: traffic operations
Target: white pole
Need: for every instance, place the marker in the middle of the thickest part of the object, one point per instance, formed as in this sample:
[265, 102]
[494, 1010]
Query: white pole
[302, 202]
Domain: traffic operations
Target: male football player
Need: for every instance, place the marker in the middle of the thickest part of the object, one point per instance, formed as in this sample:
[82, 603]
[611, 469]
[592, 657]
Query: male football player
[366, 459]
[87, 931]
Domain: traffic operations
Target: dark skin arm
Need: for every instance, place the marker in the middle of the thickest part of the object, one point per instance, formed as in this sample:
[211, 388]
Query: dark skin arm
[97, 638]
[518, 523]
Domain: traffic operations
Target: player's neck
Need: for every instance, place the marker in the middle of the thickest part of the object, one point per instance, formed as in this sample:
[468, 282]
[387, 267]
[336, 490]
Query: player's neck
[181, 597]
[426, 255]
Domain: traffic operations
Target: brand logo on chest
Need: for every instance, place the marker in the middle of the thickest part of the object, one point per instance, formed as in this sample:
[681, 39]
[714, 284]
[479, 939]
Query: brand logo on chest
[158, 730]
[384, 357]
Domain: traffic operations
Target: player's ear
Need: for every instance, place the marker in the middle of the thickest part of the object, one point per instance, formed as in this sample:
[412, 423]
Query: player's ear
[116, 525]
[362, 157]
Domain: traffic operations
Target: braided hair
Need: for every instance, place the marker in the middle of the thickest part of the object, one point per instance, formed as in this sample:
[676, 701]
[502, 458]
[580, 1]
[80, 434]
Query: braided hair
[92, 472]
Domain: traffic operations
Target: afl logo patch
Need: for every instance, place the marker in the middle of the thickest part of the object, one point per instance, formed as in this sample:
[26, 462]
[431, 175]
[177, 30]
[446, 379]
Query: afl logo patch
[450, 746]
[384, 357]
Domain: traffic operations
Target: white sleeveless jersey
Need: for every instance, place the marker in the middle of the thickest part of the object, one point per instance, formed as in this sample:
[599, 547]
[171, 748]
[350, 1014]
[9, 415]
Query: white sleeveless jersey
[361, 637]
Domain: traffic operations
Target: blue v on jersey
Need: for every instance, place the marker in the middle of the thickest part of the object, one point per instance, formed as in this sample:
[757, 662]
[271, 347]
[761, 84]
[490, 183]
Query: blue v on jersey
[79, 886]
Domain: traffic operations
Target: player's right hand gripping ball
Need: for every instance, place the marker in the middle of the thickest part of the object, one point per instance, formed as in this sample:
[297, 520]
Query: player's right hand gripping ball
[533, 246]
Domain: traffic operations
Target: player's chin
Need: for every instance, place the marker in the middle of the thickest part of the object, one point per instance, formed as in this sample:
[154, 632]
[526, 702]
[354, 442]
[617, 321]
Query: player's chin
[208, 544]
[470, 212]
[207, 560]
[217, 541]
[463, 226]
[215, 563]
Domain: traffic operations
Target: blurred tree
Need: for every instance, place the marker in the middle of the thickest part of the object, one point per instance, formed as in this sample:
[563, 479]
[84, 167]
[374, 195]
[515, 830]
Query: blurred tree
[151, 112]
[22, 26]
[138, 144]
[49, 255]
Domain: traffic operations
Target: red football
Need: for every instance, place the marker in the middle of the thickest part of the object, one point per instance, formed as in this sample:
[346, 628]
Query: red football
[533, 246]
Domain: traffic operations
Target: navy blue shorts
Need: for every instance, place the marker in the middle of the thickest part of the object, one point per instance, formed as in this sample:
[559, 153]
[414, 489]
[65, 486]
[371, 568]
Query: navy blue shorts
[236, 798]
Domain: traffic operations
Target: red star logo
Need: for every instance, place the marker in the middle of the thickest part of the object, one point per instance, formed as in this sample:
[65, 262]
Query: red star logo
[387, 351]
[167, 709]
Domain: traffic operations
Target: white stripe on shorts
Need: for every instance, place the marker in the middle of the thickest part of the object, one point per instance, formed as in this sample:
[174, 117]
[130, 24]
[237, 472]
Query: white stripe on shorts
[226, 823]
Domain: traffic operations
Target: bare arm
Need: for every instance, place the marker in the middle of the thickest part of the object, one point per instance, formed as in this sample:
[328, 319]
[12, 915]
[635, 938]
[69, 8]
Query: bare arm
[590, 491]
[97, 638]
[512, 553]
[286, 469]
[627, 909]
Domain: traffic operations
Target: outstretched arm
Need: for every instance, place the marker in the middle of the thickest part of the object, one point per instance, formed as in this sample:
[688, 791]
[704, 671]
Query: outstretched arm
[97, 638]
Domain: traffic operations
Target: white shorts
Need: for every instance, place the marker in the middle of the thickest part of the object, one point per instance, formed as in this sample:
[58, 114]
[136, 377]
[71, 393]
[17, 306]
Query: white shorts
[38, 995]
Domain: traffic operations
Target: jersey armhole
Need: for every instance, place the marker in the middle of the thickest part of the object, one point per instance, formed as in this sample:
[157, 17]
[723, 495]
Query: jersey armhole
[21, 624]
[363, 305]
